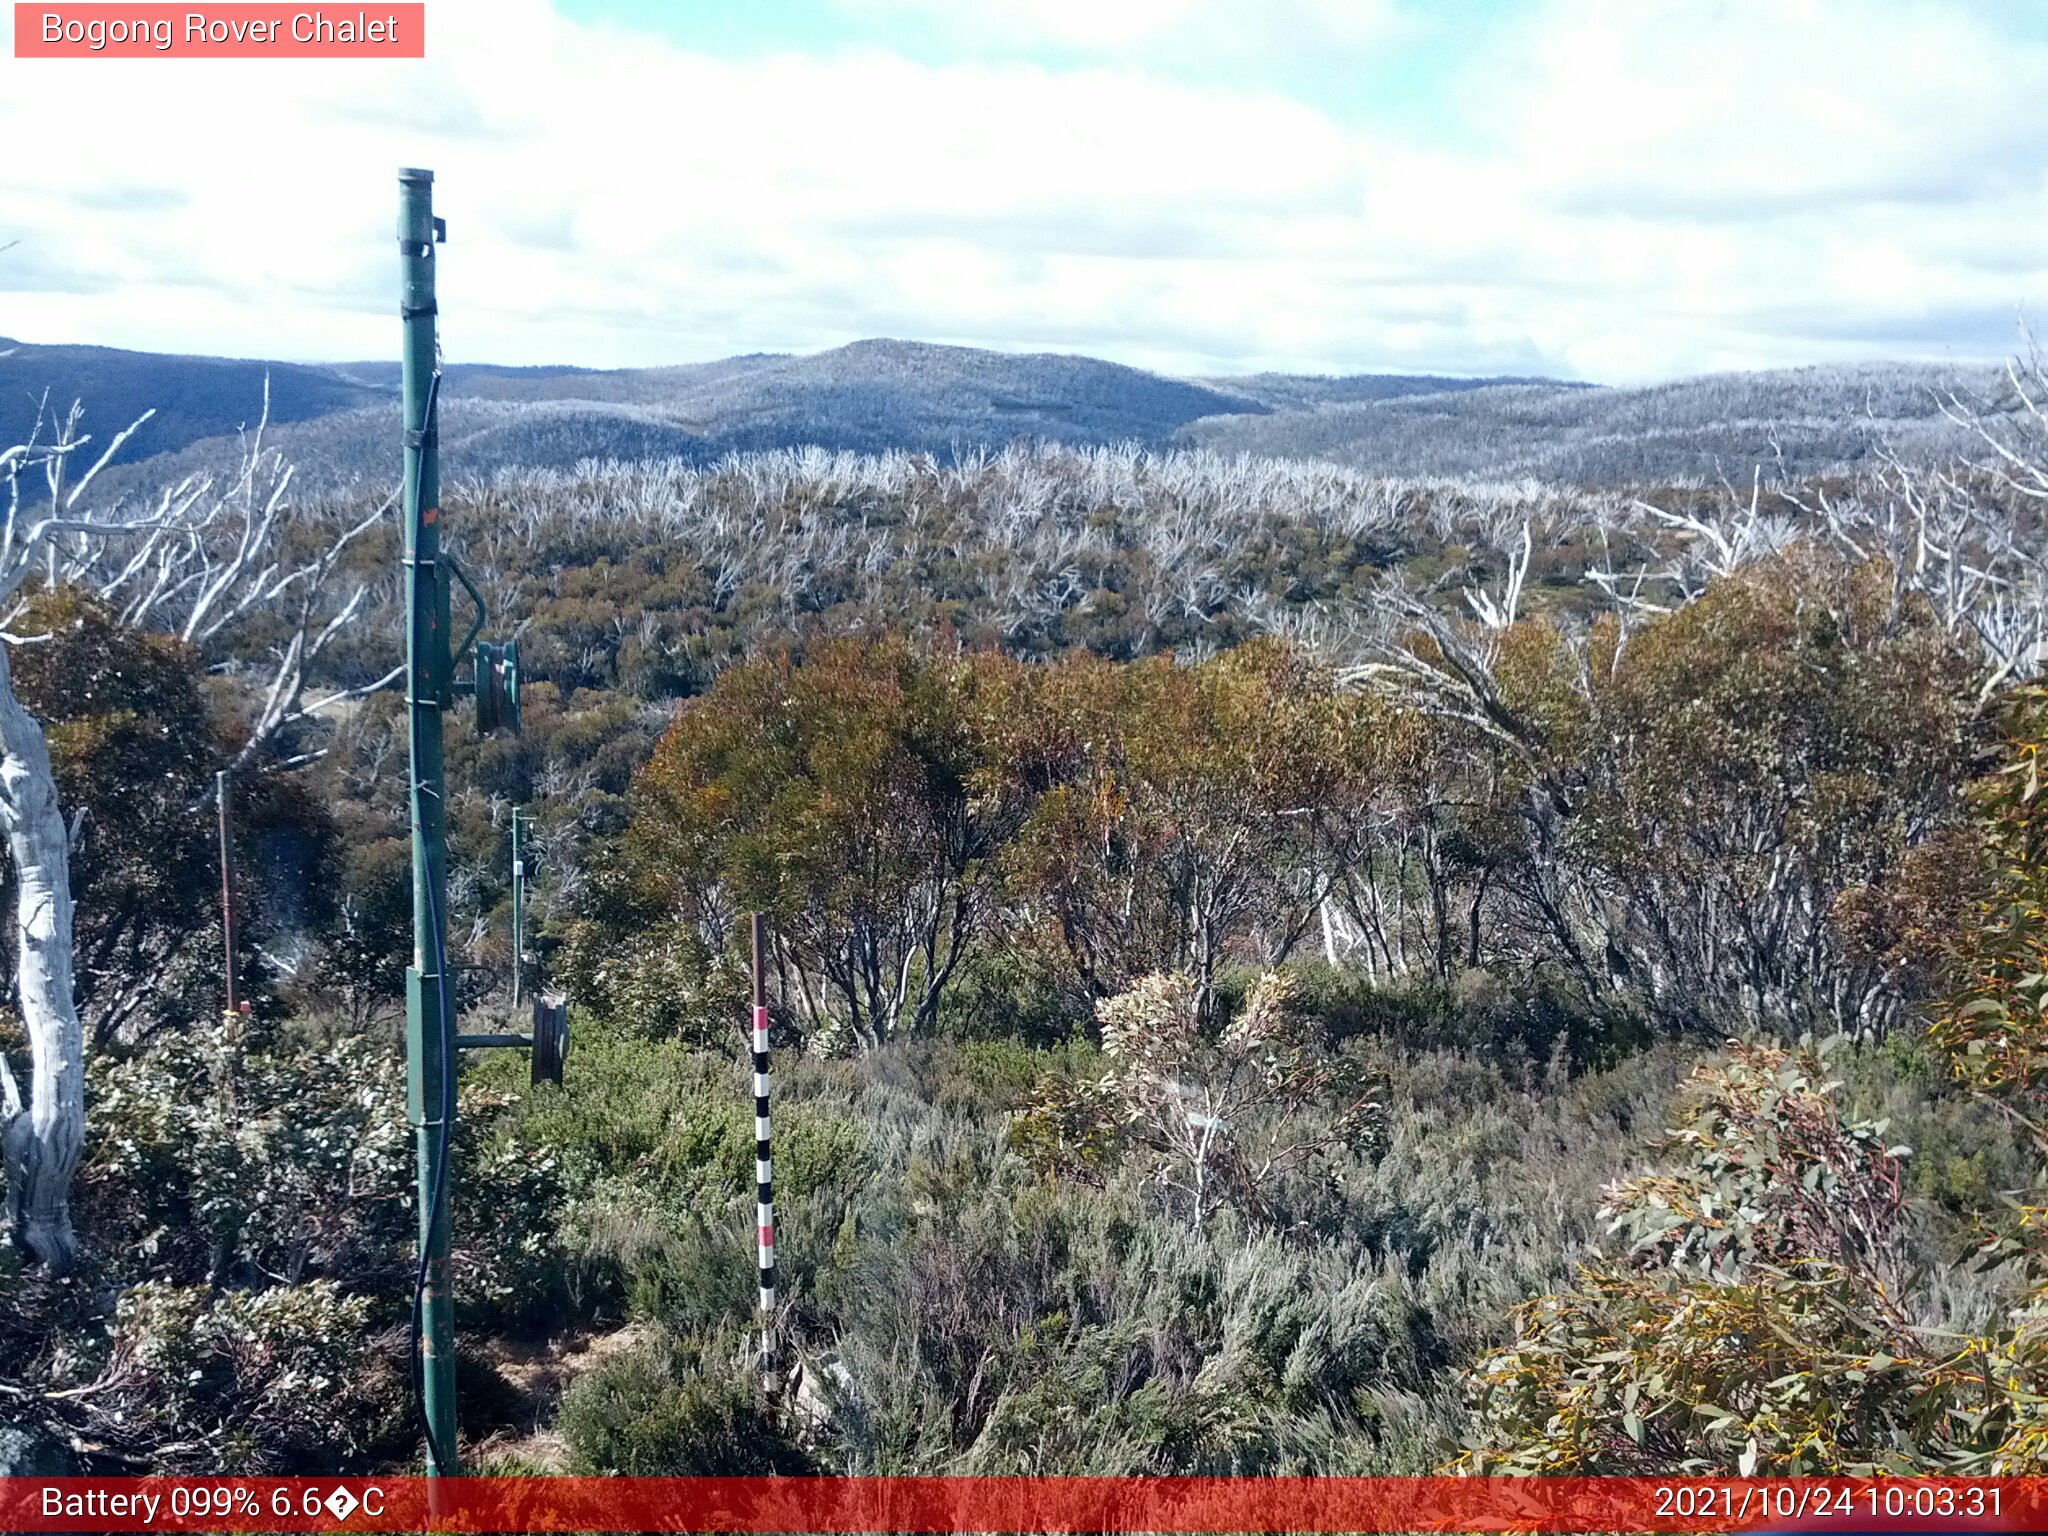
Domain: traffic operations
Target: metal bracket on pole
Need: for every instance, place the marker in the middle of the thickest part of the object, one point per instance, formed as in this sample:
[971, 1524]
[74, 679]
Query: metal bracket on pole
[483, 612]
[549, 1041]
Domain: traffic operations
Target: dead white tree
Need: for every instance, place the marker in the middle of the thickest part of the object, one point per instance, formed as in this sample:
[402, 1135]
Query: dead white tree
[209, 556]
[192, 563]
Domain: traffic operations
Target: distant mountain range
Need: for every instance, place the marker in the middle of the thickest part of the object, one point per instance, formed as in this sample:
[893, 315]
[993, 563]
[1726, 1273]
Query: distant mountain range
[339, 422]
[194, 397]
[1805, 420]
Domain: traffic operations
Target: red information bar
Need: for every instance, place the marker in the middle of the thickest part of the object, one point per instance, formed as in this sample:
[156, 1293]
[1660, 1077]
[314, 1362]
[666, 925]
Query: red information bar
[1024, 1504]
[378, 30]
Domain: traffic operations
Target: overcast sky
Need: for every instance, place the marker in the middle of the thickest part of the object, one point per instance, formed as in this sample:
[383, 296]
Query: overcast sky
[1616, 191]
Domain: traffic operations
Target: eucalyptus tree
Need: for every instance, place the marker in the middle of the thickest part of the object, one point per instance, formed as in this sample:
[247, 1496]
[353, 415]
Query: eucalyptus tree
[202, 559]
[1760, 736]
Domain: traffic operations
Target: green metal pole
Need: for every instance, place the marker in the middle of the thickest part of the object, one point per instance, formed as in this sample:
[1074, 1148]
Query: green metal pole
[429, 673]
[518, 910]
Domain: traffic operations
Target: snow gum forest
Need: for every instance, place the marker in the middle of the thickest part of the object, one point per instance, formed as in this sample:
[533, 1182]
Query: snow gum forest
[1273, 967]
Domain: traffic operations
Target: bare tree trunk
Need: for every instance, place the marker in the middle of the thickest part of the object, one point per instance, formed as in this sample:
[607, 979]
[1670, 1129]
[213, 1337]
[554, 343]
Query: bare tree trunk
[42, 1139]
[195, 566]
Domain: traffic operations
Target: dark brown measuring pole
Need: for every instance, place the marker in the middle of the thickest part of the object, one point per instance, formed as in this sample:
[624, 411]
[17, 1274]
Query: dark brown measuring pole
[227, 884]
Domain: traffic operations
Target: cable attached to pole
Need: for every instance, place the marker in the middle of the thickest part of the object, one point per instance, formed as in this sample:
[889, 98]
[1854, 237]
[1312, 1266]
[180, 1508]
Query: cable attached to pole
[437, 1209]
[436, 1215]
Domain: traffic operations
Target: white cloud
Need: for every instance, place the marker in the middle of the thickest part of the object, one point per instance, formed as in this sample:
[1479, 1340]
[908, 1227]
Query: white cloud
[1069, 23]
[1217, 29]
[1657, 189]
[1724, 109]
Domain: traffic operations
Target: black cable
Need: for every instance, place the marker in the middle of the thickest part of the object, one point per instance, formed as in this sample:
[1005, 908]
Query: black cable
[436, 1214]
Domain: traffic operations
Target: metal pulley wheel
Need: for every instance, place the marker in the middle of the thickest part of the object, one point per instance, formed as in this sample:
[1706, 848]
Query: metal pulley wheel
[550, 1038]
[497, 687]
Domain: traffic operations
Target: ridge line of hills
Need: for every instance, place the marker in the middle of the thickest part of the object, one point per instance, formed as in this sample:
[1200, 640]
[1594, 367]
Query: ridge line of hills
[337, 421]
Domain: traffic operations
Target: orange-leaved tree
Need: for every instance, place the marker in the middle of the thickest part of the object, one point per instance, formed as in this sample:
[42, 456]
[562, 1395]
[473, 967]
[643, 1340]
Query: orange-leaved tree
[848, 796]
[1177, 810]
[1761, 1317]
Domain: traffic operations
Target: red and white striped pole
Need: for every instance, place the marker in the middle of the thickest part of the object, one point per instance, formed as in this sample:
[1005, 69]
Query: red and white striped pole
[764, 1164]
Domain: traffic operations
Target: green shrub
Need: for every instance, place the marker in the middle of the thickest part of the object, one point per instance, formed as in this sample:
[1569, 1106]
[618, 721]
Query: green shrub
[1423, 1012]
[243, 1380]
[1224, 1111]
[997, 1075]
[511, 1269]
[1006, 993]
[1765, 1312]
[218, 1157]
[677, 1407]
[703, 1275]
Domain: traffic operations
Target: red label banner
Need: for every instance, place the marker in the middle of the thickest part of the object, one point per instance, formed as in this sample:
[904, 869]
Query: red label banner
[227, 31]
[1023, 1504]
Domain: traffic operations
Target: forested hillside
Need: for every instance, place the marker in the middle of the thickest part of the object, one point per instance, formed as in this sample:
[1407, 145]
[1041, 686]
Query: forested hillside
[336, 422]
[191, 398]
[1431, 838]
[1800, 421]
[872, 396]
